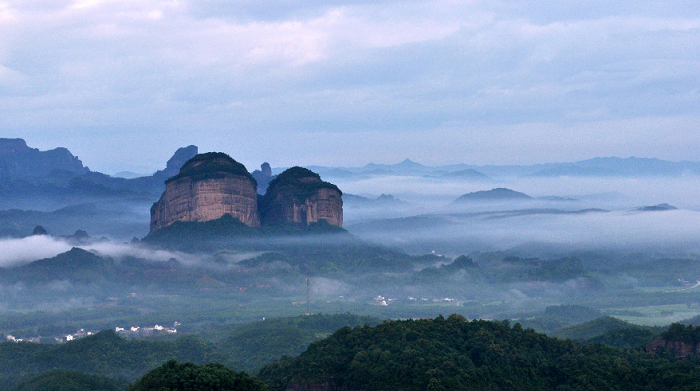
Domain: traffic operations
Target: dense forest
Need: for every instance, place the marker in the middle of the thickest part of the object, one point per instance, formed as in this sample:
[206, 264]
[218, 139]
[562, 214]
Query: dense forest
[456, 354]
[190, 377]
[450, 353]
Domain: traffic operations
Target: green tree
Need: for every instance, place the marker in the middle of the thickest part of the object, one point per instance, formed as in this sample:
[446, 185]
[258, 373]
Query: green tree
[172, 376]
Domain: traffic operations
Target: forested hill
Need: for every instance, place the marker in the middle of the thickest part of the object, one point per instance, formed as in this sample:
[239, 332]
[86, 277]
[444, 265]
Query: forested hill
[238, 346]
[456, 354]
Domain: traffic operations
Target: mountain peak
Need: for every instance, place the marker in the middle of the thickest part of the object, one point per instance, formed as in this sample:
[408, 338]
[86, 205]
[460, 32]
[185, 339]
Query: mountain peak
[409, 162]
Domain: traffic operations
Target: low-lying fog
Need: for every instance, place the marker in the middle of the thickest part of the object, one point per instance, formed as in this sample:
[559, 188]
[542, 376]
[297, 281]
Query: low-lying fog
[614, 192]
[572, 212]
[565, 213]
[19, 251]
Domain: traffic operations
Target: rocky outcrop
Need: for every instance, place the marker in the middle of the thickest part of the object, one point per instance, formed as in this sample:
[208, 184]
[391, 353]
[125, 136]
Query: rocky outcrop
[208, 187]
[263, 176]
[39, 230]
[680, 349]
[298, 196]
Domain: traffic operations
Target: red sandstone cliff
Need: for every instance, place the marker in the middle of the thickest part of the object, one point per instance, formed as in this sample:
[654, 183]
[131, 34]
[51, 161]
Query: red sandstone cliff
[299, 196]
[680, 349]
[208, 186]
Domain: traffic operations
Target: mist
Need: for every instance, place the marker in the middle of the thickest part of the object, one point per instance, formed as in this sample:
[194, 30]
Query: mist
[429, 193]
[20, 251]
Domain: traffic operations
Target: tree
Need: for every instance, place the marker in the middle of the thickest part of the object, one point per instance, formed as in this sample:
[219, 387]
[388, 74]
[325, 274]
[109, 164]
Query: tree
[172, 376]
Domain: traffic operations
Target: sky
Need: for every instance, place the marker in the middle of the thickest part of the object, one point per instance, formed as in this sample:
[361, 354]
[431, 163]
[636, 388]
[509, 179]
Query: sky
[124, 83]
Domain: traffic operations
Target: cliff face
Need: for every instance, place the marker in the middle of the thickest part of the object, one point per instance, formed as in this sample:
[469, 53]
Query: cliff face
[208, 187]
[299, 196]
[680, 349]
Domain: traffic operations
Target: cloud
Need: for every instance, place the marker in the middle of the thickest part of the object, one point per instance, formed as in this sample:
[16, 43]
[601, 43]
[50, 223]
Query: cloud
[22, 251]
[108, 79]
[31, 248]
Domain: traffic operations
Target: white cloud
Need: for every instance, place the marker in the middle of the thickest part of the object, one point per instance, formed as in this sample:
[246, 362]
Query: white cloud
[19, 251]
[174, 73]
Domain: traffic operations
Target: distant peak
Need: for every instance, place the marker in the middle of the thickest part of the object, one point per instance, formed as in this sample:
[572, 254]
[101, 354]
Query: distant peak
[13, 143]
[179, 158]
[409, 163]
[499, 193]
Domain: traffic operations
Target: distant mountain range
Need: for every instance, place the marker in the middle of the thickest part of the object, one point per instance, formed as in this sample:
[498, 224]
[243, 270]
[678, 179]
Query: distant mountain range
[60, 177]
[597, 167]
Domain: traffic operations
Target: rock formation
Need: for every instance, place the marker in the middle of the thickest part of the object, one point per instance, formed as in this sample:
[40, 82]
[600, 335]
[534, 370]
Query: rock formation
[39, 230]
[680, 349]
[298, 196]
[179, 158]
[208, 187]
[263, 176]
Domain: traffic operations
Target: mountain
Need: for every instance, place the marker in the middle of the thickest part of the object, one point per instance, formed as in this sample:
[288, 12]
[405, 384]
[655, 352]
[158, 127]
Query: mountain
[383, 200]
[467, 174]
[657, 208]
[614, 166]
[498, 194]
[456, 354]
[596, 167]
[405, 167]
[18, 161]
[56, 178]
[208, 187]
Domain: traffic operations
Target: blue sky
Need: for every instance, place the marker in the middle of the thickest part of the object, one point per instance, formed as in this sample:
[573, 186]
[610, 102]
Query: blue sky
[123, 84]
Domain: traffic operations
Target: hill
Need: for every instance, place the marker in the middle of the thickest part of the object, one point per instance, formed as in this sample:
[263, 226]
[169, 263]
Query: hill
[240, 346]
[469, 174]
[656, 208]
[70, 381]
[498, 194]
[58, 178]
[591, 329]
[172, 376]
[456, 354]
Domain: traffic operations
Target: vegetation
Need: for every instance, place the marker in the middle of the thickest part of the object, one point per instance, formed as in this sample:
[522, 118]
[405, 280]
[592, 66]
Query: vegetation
[104, 354]
[525, 269]
[556, 317]
[292, 178]
[243, 347]
[195, 231]
[70, 381]
[593, 328]
[628, 338]
[455, 354]
[195, 235]
[212, 165]
[298, 183]
[190, 377]
[251, 346]
[680, 332]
